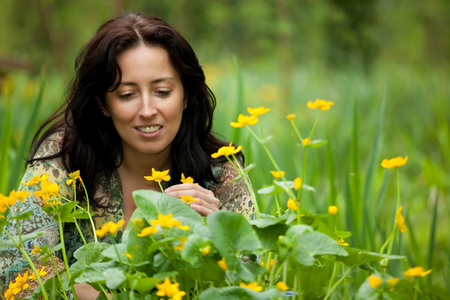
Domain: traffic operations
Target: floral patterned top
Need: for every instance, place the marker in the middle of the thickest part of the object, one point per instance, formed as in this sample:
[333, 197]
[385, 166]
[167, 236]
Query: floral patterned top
[233, 195]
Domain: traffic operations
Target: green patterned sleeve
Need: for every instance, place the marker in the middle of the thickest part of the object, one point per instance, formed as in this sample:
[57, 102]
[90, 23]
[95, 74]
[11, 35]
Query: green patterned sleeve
[12, 262]
[234, 195]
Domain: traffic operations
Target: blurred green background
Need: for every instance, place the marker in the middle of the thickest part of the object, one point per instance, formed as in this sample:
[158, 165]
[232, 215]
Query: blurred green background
[384, 63]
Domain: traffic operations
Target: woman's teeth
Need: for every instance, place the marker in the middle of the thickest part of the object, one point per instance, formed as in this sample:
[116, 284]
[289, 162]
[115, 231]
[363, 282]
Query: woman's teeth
[148, 129]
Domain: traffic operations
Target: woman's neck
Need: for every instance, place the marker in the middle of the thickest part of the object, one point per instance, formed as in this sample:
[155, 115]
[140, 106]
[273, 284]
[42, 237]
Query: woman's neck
[141, 165]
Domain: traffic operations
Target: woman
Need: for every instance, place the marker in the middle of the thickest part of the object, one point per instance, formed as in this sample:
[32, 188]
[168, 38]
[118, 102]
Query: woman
[138, 102]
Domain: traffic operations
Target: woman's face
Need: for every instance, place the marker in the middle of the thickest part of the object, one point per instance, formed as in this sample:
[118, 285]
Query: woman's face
[147, 107]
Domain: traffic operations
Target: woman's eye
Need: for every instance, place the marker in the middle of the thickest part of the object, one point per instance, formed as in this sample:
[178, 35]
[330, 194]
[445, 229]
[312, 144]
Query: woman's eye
[162, 93]
[125, 96]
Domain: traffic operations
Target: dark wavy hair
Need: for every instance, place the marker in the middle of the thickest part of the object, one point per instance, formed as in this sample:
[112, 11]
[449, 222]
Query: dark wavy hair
[91, 143]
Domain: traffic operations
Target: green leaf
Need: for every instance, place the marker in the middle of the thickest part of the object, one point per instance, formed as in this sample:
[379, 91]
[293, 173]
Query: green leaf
[235, 292]
[317, 243]
[357, 257]
[94, 272]
[150, 203]
[269, 235]
[191, 250]
[266, 139]
[246, 170]
[268, 220]
[302, 244]
[232, 234]
[114, 277]
[142, 285]
[207, 270]
[87, 255]
[26, 237]
[57, 247]
[317, 143]
[277, 187]
[24, 216]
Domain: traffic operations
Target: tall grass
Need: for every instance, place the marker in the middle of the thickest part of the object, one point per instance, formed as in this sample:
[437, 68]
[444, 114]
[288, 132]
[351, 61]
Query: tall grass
[386, 113]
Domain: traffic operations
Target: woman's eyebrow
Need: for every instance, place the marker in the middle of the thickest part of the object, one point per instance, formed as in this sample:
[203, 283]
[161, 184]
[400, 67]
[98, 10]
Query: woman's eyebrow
[152, 82]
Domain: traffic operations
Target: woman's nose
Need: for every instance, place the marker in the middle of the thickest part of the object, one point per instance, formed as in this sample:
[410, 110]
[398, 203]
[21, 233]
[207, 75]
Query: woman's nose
[148, 108]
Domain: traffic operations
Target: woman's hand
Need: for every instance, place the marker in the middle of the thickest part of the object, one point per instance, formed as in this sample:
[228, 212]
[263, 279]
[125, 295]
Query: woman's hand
[207, 203]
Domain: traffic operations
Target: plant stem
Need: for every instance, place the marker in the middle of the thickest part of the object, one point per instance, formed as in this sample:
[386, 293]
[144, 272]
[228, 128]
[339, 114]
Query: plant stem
[89, 212]
[30, 262]
[63, 250]
[272, 160]
[336, 284]
[81, 233]
[239, 168]
[391, 237]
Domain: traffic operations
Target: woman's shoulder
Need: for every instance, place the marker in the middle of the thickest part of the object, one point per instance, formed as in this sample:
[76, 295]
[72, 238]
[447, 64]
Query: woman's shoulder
[50, 145]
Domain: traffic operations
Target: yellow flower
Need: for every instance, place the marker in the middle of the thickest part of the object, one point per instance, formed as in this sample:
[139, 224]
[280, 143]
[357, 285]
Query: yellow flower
[392, 282]
[73, 177]
[138, 223]
[252, 286]
[297, 183]
[41, 273]
[20, 195]
[187, 180]
[9, 293]
[256, 112]
[52, 202]
[48, 190]
[223, 264]
[375, 281]
[21, 281]
[290, 117]
[128, 255]
[168, 222]
[188, 199]
[36, 179]
[282, 286]
[226, 151]
[394, 162]
[36, 249]
[261, 263]
[147, 231]
[342, 242]
[321, 104]
[244, 120]
[205, 250]
[5, 202]
[277, 174]
[158, 176]
[332, 210]
[291, 204]
[306, 141]
[109, 227]
[400, 220]
[271, 262]
[181, 245]
[416, 271]
[170, 290]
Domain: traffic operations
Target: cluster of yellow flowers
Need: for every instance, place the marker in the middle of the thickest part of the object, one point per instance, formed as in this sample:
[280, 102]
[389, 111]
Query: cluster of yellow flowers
[8, 201]
[109, 227]
[164, 222]
[226, 151]
[170, 290]
[249, 120]
[375, 282]
[21, 283]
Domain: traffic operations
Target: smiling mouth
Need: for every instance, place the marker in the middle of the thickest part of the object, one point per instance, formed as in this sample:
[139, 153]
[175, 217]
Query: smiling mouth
[148, 129]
